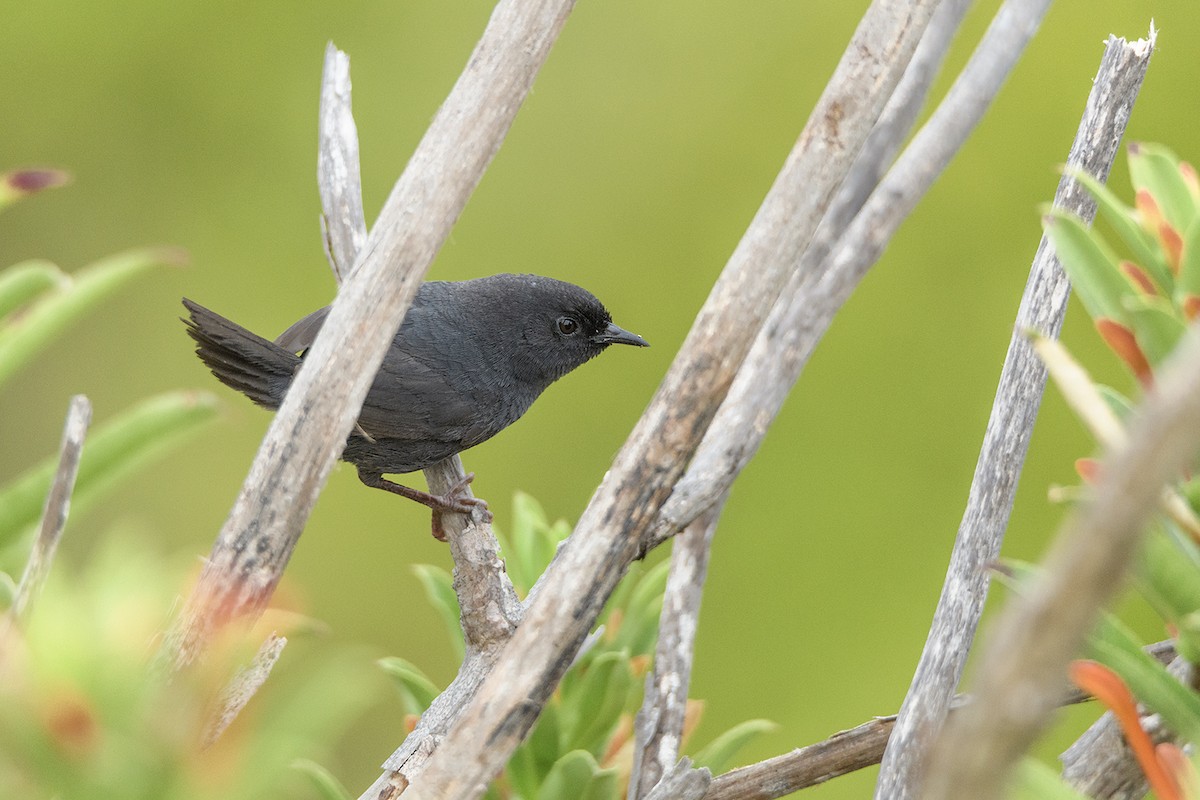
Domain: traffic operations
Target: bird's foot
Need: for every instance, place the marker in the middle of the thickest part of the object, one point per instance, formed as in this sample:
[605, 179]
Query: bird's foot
[455, 501]
[452, 501]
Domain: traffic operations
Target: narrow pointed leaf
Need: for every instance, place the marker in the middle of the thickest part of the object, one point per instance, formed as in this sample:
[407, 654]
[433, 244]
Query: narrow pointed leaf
[718, 754]
[593, 708]
[439, 588]
[322, 780]
[1156, 327]
[22, 282]
[112, 451]
[1156, 169]
[1092, 267]
[23, 338]
[577, 775]
[1034, 780]
[1188, 285]
[1121, 339]
[1113, 645]
[417, 690]
[1121, 217]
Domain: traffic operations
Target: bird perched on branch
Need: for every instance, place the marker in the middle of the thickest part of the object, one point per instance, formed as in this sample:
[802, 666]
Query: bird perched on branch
[467, 362]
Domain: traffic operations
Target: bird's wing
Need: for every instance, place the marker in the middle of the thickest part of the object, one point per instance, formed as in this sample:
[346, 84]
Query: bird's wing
[301, 336]
[411, 400]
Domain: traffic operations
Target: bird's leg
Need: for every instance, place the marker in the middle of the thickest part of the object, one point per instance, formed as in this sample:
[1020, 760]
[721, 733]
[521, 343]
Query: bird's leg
[453, 500]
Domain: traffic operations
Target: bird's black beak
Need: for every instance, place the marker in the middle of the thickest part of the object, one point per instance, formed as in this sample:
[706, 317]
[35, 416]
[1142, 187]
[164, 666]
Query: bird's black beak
[615, 335]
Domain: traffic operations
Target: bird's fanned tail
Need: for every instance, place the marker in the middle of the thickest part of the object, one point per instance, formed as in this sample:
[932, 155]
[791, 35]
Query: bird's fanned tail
[241, 360]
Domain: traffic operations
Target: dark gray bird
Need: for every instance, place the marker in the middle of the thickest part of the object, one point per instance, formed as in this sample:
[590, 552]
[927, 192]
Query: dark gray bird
[468, 361]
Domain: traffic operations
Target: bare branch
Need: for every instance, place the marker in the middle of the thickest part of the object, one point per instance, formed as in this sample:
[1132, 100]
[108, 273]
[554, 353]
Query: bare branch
[682, 782]
[607, 537]
[823, 282]
[1038, 632]
[242, 688]
[338, 175]
[322, 404]
[841, 753]
[1006, 439]
[54, 512]
[659, 725]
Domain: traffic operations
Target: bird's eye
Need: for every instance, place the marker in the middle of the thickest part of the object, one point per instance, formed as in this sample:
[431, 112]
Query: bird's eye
[567, 326]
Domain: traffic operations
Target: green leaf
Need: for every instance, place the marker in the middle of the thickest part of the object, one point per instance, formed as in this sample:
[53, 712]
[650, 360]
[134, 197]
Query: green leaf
[23, 338]
[522, 772]
[545, 742]
[534, 541]
[417, 691]
[577, 775]
[1156, 326]
[1113, 645]
[1156, 169]
[439, 588]
[22, 282]
[1169, 578]
[592, 710]
[322, 780]
[111, 452]
[1034, 780]
[1116, 401]
[8, 591]
[719, 753]
[1188, 285]
[1123, 220]
[1092, 267]
[639, 628]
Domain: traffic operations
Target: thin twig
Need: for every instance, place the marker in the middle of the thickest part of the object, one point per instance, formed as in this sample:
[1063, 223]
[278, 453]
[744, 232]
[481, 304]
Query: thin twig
[607, 538]
[54, 512]
[321, 406]
[339, 178]
[1006, 439]
[659, 725]
[239, 691]
[1038, 632]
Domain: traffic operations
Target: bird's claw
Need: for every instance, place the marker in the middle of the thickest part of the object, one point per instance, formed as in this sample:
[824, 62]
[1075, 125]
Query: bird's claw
[454, 500]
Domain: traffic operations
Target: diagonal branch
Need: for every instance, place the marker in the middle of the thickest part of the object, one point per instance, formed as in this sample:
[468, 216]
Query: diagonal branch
[310, 429]
[1006, 440]
[607, 537]
[54, 512]
[659, 726]
[1037, 633]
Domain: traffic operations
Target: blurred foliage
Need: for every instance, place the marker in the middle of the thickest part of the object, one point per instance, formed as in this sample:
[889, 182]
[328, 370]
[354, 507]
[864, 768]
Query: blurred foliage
[1141, 302]
[84, 715]
[582, 744]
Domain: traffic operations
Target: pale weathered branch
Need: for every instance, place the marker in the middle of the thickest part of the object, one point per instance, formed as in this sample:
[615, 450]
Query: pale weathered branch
[659, 725]
[1039, 631]
[339, 177]
[239, 691]
[823, 282]
[1006, 439]
[54, 512]
[321, 406]
[609, 533]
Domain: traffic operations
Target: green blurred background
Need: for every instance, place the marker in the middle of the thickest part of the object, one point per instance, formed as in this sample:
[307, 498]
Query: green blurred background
[644, 150]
